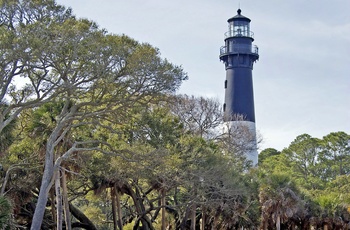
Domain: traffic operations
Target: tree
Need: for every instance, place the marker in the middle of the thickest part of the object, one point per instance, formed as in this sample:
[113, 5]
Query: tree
[144, 75]
[93, 73]
[266, 153]
[279, 200]
[303, 155]
[237, 142]
[23, 56]
[200, 116]
[336, 152]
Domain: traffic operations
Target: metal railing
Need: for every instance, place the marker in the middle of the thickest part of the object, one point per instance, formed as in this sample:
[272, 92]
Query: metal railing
[247, 49]
[239, 33]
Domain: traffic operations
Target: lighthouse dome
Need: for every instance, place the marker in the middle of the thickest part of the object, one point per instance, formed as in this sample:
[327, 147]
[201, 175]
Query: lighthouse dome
[239, 17]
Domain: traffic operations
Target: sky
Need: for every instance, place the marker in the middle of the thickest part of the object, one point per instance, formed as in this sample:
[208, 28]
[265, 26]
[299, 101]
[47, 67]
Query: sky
[302, 78]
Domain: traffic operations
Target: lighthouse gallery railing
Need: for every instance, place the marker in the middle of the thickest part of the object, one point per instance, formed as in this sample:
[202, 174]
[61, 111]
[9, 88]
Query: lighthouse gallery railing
[246, 49]
[239, 33]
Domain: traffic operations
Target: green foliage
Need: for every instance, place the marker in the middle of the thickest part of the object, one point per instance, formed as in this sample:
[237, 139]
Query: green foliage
[266, 153]
[5, 213]
[279, 198]
[336, 154]
[97, 209]
[317, 169]
[335, 196]
[158, 128]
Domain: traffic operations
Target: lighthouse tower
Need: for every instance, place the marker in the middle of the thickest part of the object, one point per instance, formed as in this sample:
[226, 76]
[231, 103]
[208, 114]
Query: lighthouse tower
[239, 55]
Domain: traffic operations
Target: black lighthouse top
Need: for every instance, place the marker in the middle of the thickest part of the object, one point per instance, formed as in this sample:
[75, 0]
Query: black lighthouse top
[239, 25]
[238, 41]
[239, 16]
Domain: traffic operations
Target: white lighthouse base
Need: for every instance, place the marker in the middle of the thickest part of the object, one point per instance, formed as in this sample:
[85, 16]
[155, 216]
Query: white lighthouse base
[243, 135]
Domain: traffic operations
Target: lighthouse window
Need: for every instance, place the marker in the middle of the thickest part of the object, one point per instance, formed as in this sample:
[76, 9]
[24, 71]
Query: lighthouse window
[224, 107]
[231, 29]
[241, 28]
[225, 84]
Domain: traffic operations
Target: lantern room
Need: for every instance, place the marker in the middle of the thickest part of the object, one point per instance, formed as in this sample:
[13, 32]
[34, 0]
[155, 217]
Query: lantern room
[239, 26]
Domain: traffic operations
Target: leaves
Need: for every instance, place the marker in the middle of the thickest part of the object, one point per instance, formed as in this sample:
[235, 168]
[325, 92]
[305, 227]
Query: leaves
[5, 213]
[316, 167]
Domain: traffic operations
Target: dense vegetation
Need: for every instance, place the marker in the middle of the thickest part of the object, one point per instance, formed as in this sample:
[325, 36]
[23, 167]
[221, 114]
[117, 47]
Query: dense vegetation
[92, 136]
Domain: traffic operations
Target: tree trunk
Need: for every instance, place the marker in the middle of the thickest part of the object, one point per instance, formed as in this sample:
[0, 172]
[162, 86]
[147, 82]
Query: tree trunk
[7, 175]
[215, 221]
[82, 218]
[59, 208]
[264, 224]
[193, 216]
[114, 211]
[140, 209]
[65, 201]
[44, 192]
[53, 208]
[293, 225]
[162, 204]
[278, 222]
[119, 206]
[203, 218]
[185, 217]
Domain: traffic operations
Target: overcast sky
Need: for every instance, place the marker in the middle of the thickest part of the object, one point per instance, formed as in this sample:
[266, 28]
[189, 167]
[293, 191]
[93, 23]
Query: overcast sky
[302, 80]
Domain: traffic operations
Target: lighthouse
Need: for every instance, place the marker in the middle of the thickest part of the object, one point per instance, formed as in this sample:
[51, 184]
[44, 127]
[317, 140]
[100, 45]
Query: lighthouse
[239, 55]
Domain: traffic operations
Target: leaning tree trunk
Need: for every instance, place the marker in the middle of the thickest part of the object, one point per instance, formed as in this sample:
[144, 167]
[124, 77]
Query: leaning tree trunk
[88, 225]
[140, 209]
[43, 195]
[45, 183]
[65, 201]
[59, 208]
[53, 207]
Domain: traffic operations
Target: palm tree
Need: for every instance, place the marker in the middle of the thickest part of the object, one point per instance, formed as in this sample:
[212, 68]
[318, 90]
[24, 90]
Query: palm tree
[278, 199]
